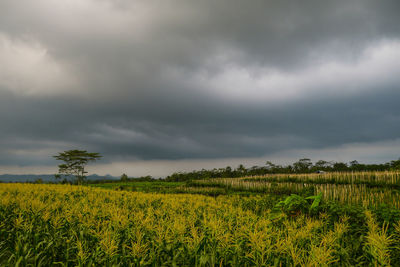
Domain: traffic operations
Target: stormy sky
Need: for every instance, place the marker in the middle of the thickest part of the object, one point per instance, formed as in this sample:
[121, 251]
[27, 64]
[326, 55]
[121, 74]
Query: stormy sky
[157, 86]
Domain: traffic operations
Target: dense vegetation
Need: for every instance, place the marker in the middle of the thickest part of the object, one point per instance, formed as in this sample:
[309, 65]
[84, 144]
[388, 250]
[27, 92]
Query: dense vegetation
[287, 219]
[301, 166]
[361, 188]
[64, 225]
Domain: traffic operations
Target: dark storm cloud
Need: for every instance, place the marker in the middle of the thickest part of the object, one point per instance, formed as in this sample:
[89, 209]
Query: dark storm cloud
[195, 79]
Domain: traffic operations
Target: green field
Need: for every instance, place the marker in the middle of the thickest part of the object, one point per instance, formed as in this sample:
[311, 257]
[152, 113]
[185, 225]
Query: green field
[334, 219]
[141, 186]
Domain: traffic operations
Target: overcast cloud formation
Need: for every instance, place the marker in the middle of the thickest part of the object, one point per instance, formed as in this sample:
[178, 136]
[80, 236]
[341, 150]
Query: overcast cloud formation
[155, 82]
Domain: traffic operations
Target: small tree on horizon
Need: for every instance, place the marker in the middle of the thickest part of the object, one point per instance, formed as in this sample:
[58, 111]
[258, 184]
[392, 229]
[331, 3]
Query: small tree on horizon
[74, 163]
[124, 178]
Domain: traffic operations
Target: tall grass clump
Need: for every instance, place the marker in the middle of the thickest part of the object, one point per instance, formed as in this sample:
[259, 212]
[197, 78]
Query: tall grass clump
[378, 242]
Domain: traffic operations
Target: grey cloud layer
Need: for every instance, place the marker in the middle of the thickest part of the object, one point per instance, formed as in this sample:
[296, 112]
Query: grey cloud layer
[195, 79]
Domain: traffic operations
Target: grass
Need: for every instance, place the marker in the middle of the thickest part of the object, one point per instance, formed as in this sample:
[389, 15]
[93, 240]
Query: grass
[141, 186]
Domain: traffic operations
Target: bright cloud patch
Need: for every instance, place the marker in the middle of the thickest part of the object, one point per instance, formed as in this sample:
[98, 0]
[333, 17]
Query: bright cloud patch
[28, 68]
[376, 67]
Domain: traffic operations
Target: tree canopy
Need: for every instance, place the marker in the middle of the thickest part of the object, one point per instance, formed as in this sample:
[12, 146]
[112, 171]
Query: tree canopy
[74, 163]
[303, 165]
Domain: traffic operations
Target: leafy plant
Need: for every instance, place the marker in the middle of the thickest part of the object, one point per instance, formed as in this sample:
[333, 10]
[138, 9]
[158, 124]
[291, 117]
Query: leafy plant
[316, 200]
[294, 204]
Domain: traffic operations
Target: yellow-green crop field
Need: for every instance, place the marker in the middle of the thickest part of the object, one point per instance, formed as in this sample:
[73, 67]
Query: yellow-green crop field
[360, 188]
[65, 225]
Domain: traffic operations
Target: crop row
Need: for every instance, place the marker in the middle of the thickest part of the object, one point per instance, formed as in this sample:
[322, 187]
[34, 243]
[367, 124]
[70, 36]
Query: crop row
[345, 193]
[378, 178]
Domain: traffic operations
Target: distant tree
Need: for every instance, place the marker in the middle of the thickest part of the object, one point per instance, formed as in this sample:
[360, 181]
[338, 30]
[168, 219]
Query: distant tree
[303, 165]
[124, 178]
[147, 178]
[241, 169]
[340, 166]
[395, 164]
[228, 172]
[354, 163]
[74, 163]
[270, 165]
[322, 165]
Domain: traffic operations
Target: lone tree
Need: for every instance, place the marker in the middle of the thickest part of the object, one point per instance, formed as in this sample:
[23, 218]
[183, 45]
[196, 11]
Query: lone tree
[74, 163]
[124, 178]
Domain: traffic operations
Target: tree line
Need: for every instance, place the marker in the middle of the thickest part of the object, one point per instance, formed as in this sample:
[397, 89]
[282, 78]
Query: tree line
[304, 165]
[75, 161]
